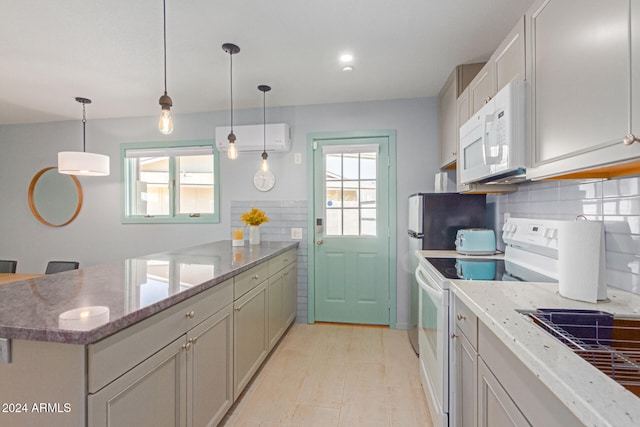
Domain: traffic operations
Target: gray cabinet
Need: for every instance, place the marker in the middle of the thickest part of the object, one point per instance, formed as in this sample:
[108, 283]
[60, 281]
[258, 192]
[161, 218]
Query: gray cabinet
[495, 407]
[464, 368]
[184, 383]
[282, 295]
[482, 87]
[490, 386]
[151, 394]
[635, 69]
[506, 64]
[509, 58]
[264, 307]
[209, 370]
[250, 341]
[466, 374]
[581, 74]
[449, 124]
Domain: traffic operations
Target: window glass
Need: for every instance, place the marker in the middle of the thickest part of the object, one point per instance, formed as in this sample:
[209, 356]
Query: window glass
[350, 192]
[170, 182]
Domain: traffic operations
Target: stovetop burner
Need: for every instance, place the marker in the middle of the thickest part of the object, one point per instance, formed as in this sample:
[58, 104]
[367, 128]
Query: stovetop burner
[486, 269]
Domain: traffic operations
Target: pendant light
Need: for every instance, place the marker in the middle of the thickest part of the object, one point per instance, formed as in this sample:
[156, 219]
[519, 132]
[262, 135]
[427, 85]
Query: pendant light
[231, 49]
[165, 124]
[264, 89]
[81, 162]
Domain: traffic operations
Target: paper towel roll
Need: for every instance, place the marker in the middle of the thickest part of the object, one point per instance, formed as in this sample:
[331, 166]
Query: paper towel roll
[581, 260]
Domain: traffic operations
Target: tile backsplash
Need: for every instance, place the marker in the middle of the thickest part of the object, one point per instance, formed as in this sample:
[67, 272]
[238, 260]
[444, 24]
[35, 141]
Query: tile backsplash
[616, 202]
[283, 216]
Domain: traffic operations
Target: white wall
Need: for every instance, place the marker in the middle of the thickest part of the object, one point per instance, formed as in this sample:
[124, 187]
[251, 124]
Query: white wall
[97, 236]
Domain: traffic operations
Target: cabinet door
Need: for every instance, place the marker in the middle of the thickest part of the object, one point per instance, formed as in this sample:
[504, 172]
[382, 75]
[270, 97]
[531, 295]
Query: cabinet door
[448, 122]
[276, 322]
[209, 366]
[465, 375]
[290, 294]
[482, 87]
[580, 83]
[250, 341]
[495, 407]
[635, 68]
[151, 394]
[509, 59]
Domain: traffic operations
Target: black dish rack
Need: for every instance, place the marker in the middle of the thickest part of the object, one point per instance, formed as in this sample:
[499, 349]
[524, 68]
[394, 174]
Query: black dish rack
[610, 344]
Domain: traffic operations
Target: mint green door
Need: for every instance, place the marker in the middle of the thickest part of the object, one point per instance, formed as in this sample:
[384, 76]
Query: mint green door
[352, 244]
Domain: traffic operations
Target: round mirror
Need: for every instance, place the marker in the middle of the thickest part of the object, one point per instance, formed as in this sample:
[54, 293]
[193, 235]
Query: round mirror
[54, 198]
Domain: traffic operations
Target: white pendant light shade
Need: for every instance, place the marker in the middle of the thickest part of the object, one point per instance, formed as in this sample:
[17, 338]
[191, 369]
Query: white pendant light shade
[83, 163]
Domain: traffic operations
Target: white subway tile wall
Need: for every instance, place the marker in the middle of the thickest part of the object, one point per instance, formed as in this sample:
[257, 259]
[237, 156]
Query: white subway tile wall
[283, 216]
[616, 202]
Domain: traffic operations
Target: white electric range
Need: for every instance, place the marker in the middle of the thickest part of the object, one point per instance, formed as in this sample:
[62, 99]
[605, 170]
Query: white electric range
[531, 255]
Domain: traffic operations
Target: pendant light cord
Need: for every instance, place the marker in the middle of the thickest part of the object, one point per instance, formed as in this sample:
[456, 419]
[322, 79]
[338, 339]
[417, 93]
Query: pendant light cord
[264, 122]
[231, 85]
[164, 16]
[84, 128]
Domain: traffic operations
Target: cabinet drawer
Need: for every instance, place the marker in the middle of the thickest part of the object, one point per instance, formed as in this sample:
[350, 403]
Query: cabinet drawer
[113, 356]
[247, 280]
[281, 261]
[209, 302]
[467, 322]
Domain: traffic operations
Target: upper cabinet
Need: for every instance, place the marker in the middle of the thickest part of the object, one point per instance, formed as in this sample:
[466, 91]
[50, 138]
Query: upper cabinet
[505, 65]
[635, 70]
[482, 88]
[449, 125]
[584, 66]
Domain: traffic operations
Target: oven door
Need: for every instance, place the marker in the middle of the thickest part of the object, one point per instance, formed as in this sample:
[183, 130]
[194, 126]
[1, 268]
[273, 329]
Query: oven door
[434, 345]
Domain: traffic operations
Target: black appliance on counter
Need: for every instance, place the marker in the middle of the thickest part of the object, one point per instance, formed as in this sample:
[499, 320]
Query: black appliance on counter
[434, 220]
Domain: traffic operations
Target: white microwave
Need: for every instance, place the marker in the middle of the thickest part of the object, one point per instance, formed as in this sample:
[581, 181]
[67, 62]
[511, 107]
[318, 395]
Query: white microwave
[492, 141]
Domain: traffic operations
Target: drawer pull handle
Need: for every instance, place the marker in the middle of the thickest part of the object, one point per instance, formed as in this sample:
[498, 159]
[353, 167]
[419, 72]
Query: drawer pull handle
[187, 346]
[461, 317]
[194, 340]
[630, 139]
[453, 336]
[255, 277]
[191, 314]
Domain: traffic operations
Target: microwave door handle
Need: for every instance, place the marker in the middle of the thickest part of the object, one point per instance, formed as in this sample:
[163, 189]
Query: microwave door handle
[488, 135]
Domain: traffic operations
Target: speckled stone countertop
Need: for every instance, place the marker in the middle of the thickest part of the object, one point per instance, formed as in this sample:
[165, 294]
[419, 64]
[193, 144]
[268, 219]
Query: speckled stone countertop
[593, 397]
[132, 290]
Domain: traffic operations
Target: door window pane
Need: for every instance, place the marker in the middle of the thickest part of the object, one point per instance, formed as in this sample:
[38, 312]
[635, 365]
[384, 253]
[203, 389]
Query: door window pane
[351, 193]
[334, 222]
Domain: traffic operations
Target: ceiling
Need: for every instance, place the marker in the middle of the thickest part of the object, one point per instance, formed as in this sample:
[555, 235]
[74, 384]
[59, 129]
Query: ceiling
[111, 51]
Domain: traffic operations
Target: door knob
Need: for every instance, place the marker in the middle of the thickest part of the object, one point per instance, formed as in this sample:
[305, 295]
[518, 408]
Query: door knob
[630, 139]
[319, 241]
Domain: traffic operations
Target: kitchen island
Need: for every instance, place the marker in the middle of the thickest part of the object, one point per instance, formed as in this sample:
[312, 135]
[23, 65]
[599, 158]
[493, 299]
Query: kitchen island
[164, 339]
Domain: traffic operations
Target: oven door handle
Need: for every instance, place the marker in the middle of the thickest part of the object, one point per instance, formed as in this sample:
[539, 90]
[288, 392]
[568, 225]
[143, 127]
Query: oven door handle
[425, 286]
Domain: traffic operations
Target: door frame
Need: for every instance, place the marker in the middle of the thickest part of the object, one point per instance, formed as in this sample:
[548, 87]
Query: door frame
[393, 207]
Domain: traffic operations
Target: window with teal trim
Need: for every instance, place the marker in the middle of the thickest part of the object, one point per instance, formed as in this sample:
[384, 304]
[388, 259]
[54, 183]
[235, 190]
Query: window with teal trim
[170, 182]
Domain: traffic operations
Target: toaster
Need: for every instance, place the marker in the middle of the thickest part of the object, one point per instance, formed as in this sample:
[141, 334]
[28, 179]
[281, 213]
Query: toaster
[476, 241]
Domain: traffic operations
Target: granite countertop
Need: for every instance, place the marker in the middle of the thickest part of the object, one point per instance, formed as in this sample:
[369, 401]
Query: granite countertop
[593, 397]
[131, 290]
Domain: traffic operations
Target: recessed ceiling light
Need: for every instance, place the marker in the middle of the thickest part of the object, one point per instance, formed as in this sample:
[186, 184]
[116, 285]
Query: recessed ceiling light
[347, 68]
[347, 57]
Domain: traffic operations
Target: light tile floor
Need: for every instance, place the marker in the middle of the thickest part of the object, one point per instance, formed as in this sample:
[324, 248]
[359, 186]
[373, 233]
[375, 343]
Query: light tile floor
[335, 375]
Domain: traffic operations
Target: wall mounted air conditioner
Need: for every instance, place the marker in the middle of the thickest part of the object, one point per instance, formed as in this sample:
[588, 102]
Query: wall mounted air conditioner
[251, 138]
